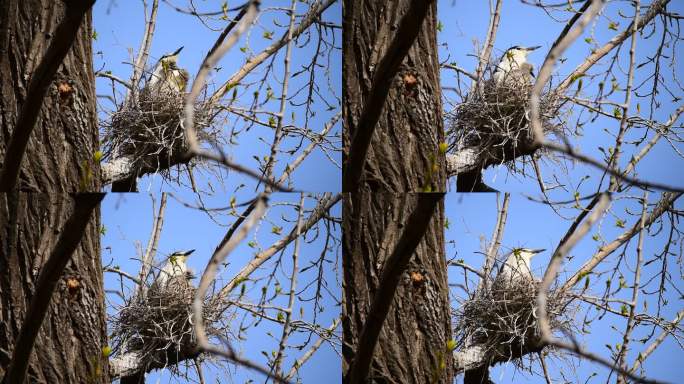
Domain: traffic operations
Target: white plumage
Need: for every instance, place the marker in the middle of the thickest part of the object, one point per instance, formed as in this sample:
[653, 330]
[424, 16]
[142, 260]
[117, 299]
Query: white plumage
[517, 267]
[167, 77]
[175, 269]
[513, 59]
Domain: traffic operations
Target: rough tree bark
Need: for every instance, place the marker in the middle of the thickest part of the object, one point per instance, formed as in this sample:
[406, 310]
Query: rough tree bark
[403, 157]
[58, 160]
[413, 340]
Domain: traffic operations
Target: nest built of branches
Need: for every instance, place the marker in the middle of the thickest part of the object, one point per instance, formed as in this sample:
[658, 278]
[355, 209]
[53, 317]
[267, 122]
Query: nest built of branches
[494, 118]
[149, 131]
[502, 320]
[158, 327]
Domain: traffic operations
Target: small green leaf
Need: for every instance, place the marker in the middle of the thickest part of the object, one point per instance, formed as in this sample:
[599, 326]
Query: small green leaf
[440, 26]
[613, 26]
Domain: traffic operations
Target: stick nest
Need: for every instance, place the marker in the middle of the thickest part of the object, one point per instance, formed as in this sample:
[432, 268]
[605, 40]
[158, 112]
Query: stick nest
[159, 326]
[495, 119]
[150, 132]
[503, 320]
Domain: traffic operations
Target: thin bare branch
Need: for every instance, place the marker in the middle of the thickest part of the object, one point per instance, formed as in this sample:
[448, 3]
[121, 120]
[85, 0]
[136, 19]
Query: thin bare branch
[494, 244]
[151, 249]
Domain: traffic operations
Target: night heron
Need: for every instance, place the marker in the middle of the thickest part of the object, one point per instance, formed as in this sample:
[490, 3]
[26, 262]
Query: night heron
[513, 65]
[516, 268]
[166, 77]
[175, 271]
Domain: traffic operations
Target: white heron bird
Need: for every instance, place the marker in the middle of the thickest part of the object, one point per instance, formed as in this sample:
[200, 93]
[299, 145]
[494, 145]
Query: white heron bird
[174, 271]
[517, 267]
[167, 77]
[514, 59]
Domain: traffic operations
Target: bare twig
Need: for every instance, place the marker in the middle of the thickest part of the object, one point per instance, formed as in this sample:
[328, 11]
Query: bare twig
[320, 211]
[278, 135]
[550, 275]
[614, 159]
[124, 274]
[546, 69]
[493, 249]
[655, 8]
[293, 284]
[144, 51]
[151, 249]
[313, 15]
[307, 355]
[198, 84]
[622, 354]
[659, 340]
[489, 42]
[557, 259]
[663, 206]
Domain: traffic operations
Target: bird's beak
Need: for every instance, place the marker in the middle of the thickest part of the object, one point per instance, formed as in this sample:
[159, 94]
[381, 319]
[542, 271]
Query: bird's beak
[189, 252]
[533, 48]
[174, 54]
[535, 251]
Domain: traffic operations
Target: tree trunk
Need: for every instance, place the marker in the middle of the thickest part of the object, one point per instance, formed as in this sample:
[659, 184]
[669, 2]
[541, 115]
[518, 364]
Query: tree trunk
[404, 152]
[403, 157]
[58, 159]
[412, 347]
